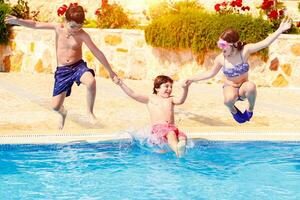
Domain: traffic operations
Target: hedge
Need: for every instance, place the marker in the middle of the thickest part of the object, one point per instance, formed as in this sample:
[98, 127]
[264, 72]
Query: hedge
[4, 29]
[200, 30]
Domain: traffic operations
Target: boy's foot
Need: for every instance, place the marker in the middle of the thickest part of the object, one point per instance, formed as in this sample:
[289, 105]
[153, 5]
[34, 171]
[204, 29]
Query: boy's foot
[92, 119]
[63, 114]
[238, 116]
[248, 115]
[181, 146]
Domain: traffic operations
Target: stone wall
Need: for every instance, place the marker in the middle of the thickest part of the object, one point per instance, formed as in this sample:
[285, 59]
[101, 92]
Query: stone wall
[285, 54]
[5, 51]
[34, 51]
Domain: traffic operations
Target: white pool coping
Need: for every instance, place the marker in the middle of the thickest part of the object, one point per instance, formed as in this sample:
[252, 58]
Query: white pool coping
[56, 138]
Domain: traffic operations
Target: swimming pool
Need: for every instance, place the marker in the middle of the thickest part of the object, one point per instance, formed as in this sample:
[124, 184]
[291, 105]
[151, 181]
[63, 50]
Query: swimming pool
[123, 170]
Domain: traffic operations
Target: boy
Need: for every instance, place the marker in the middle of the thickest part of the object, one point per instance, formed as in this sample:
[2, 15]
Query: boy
[70, 66]
[161, 109]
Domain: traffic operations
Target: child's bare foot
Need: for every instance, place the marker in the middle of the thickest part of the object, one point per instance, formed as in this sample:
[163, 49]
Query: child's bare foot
[92, 119]
[181, 147]
[63, 114]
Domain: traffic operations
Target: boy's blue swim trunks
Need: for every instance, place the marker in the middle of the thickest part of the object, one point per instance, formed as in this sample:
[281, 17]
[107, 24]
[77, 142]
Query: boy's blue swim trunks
[65, 76]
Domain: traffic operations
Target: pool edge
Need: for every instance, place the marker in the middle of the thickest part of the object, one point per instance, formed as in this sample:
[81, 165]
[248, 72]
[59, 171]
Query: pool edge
[46, 138]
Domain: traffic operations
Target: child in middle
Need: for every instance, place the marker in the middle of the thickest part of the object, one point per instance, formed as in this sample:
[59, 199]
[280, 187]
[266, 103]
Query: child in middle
[161, 109]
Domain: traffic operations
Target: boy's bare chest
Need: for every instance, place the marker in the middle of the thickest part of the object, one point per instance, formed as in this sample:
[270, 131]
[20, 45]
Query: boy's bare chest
[68, 42]
[160, 103]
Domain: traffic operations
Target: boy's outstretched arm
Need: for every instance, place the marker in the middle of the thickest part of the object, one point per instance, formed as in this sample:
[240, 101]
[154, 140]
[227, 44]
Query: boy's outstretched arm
[130, 92]
[98, 54]
[181, 100]
[252, 48]
[29, 23]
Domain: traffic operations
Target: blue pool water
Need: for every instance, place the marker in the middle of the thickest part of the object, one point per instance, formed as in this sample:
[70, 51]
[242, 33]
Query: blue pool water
[123, 170]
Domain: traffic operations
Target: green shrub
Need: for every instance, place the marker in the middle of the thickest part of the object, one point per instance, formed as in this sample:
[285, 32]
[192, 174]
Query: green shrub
[294, 30]
[4, 29]
[20, 10]
[166, 8]
[113, 16]
[90, 23]
[199, 30]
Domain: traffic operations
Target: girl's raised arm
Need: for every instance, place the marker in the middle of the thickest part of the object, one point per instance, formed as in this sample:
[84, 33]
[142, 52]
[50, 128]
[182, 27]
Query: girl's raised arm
[252, 48]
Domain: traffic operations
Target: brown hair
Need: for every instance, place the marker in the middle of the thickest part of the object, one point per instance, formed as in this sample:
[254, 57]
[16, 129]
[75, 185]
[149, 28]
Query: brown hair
[161, 79]
[75, 13]
[232, 36]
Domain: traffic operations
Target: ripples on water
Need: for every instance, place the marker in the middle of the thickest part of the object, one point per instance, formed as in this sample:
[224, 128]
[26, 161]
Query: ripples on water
[129, 170]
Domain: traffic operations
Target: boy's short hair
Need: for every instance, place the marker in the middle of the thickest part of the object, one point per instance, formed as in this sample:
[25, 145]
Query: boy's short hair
[75, 13]
[161, 79]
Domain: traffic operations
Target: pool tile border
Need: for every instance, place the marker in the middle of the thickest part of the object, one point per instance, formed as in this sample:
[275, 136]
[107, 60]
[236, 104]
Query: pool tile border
[50, 138]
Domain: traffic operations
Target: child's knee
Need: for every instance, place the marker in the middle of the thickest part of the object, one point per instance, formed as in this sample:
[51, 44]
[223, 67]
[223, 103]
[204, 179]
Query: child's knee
[91, 83]
[251, 87]
[182, 139]
[56, 106]
[172, 137]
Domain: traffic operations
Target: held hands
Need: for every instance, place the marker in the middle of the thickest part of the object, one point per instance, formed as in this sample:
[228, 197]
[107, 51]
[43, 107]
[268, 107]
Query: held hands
[117, 80]
[186, 83]
[113, 76]
[9, 19]
[285, 24]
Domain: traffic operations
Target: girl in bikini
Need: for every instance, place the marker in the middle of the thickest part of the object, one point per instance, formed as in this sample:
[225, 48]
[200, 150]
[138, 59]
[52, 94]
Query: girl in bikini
[233, 62]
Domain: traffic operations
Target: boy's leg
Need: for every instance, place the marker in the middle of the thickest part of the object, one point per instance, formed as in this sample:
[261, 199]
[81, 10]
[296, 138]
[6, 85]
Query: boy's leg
[181, 146]
[172, 141]
[89, 81]
[57, 105]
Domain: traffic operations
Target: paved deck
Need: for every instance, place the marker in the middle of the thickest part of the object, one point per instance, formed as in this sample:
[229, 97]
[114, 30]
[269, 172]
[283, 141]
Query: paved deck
[26, 115]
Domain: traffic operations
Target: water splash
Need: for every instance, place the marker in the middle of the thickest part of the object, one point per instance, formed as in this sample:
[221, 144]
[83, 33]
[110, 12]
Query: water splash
[140, 138]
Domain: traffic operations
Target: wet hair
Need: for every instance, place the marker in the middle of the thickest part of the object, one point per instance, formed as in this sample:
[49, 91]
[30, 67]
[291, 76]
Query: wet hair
[75, 13]
[161, 79]
[232, 36]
